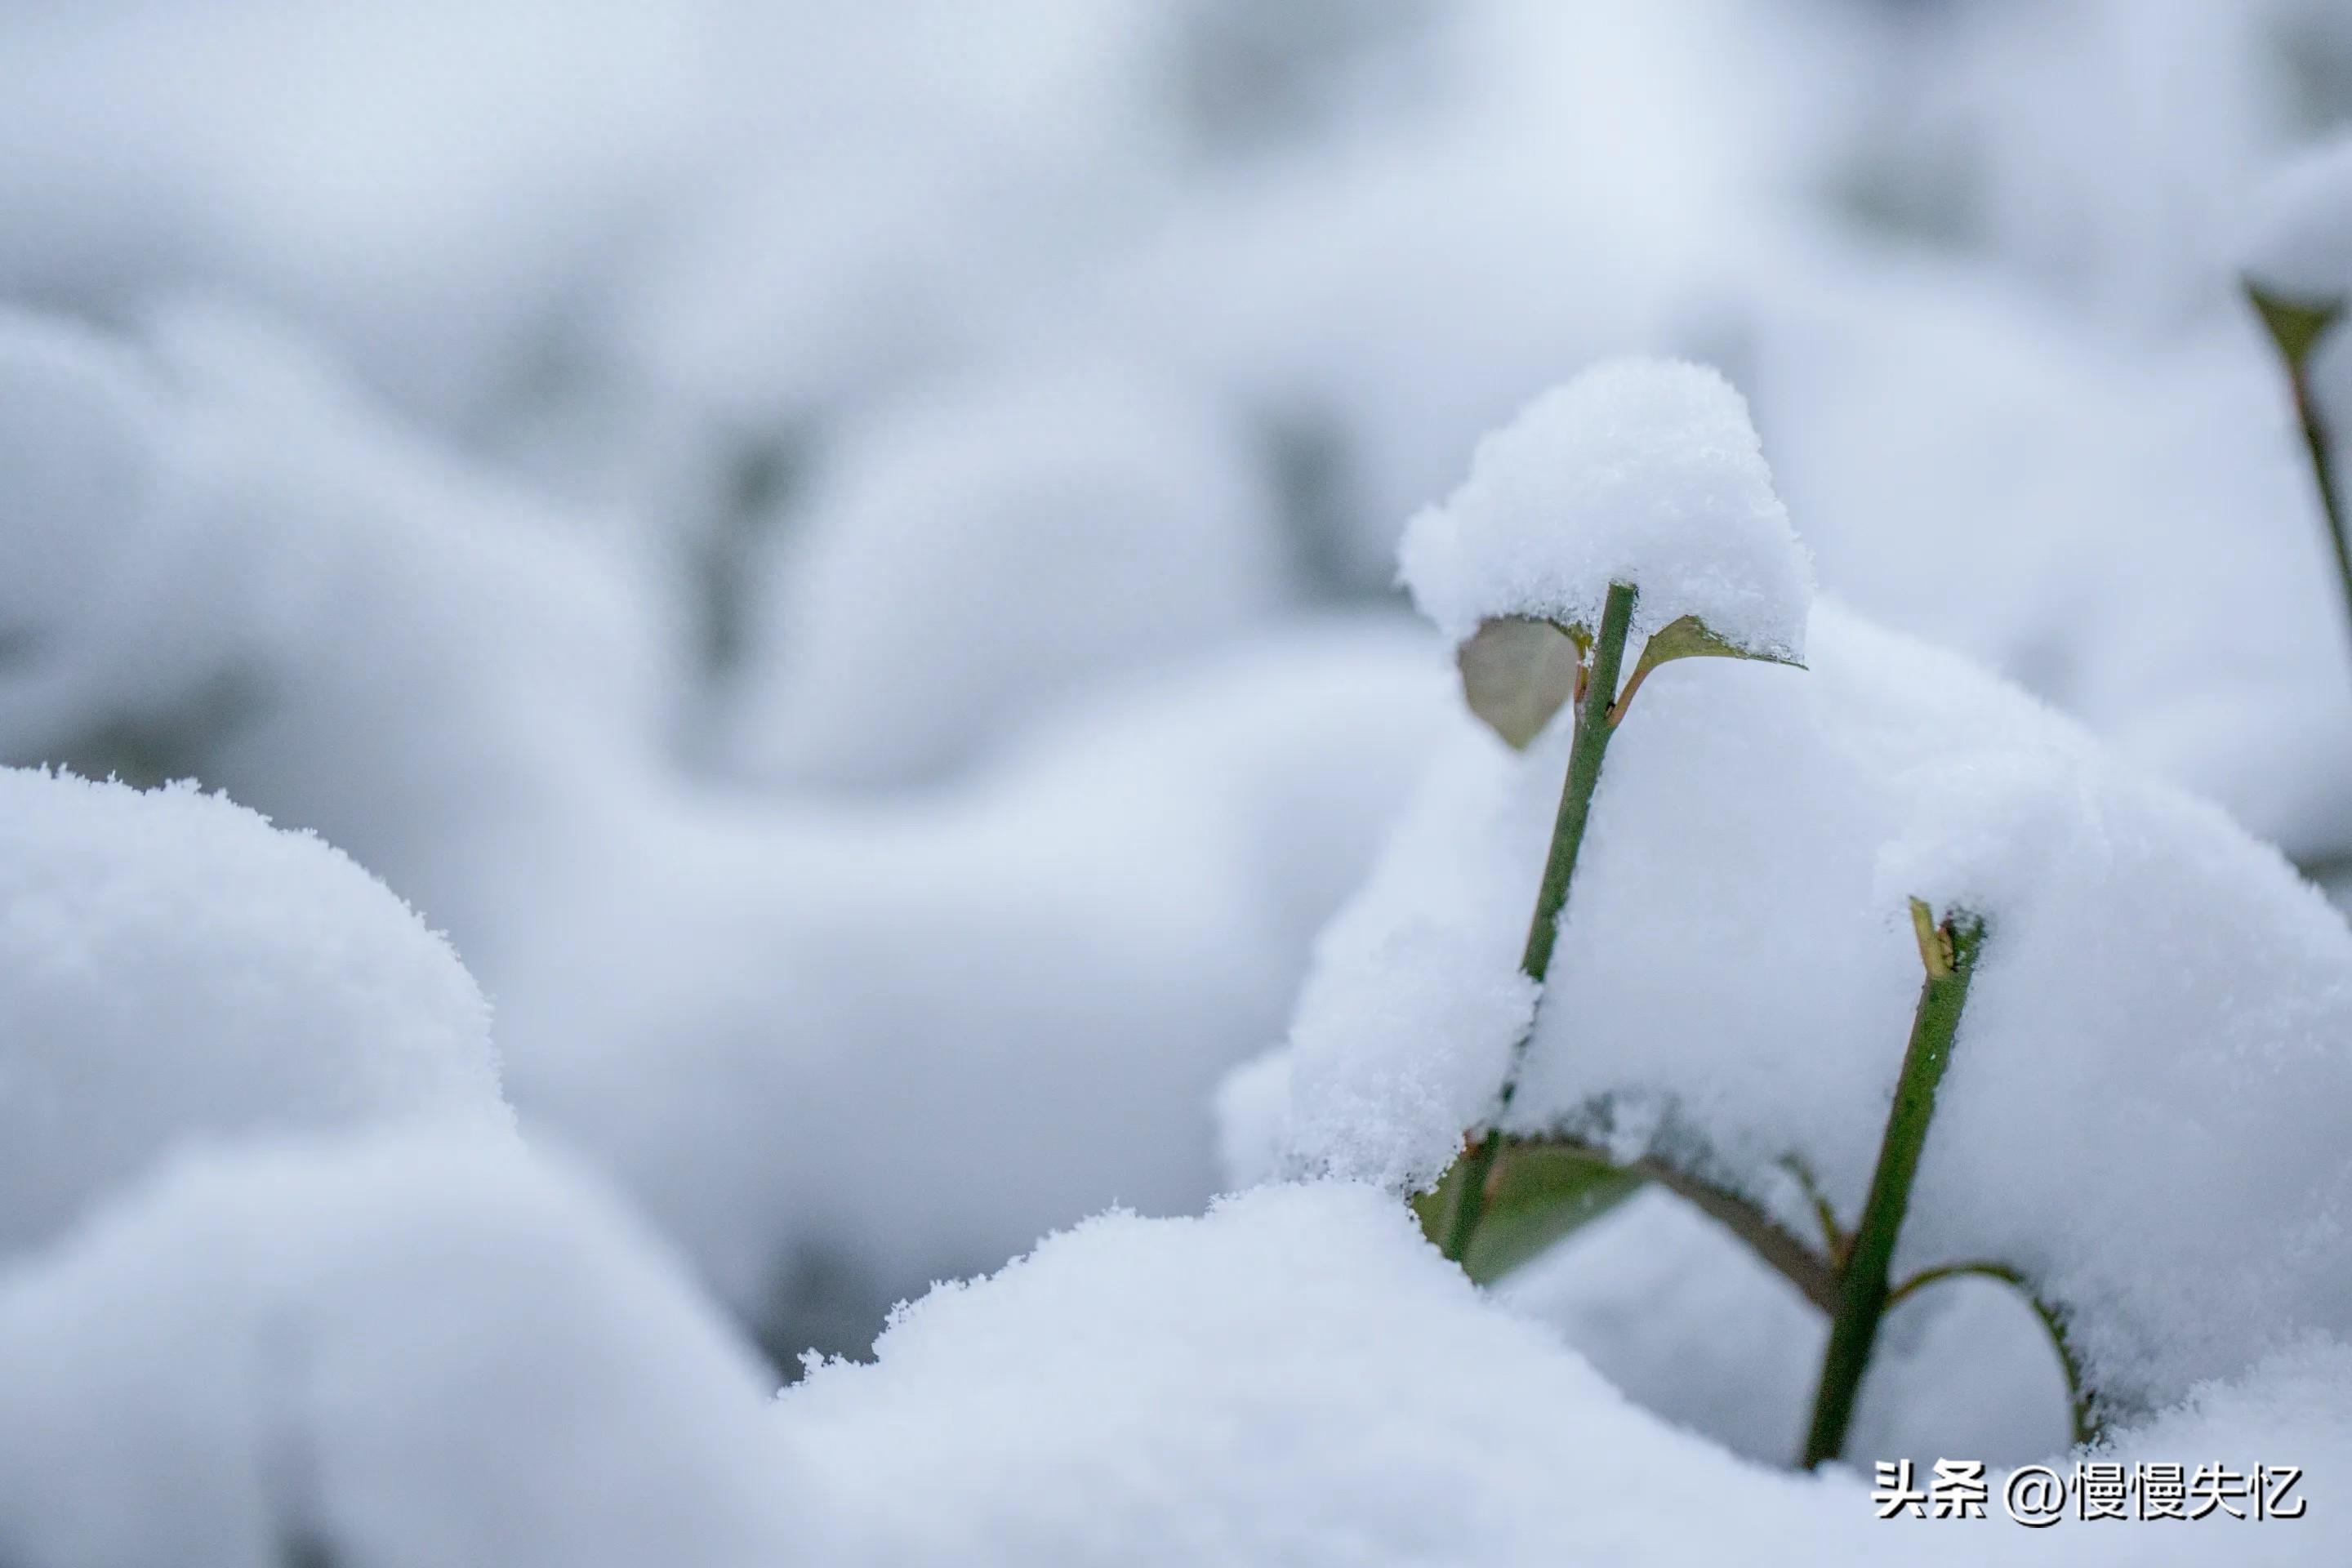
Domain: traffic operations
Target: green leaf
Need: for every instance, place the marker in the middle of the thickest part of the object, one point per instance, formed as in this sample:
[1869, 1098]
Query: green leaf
[1542, 1193]
[1516, 672]
[1688, 637]
[2295, 326]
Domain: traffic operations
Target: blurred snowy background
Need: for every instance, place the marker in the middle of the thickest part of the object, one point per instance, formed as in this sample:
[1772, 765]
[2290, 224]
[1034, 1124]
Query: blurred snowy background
[843, 551]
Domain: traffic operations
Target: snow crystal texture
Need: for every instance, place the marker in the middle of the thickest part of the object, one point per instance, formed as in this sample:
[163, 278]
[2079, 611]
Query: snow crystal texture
[1639, 471]
[171, 967]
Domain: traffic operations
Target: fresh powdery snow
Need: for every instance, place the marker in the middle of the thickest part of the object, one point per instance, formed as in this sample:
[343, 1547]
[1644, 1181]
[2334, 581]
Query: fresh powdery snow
[408, 1349]
[171, 967]
[2143, 1113]
[1640, 471]
[1299, 1378]
[1295, 1378]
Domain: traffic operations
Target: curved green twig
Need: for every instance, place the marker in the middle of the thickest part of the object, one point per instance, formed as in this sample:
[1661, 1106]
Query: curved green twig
[1779, 1248]
[1834, 1240]
[2082, 1400]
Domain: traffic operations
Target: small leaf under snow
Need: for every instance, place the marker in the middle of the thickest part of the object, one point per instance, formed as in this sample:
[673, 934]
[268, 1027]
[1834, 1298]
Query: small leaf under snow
[1541, 1193]
[1516, 672]
[1688, 637]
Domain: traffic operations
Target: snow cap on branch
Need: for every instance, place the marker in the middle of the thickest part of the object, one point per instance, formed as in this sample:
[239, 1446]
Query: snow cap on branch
[1641, 471]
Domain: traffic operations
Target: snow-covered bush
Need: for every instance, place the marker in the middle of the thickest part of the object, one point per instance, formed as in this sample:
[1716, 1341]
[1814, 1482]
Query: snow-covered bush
[991, 547]
[706, 988]
[171, 968]
[2056, 454]
[235, 567]
[412, 1348]
[842, 1050]
[588, 460]
[1727, 1009]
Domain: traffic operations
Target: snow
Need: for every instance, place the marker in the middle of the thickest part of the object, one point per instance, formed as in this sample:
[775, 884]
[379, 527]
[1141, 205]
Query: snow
[2298, 243]
[304, 604]
[406, 1347]
[989, 547]
[1400, 1040]
[1764, 827]
[425, 1347]
[1636, 471]
[797, 1035]
[411, 186]
[707, 987]
[76, 442]
[839, 552]
[171, 968]
[1295, 1377]
[2054, 453]
[1684, 1320]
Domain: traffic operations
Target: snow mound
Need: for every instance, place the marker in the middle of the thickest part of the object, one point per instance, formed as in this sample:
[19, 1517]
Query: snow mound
[408, 1349]
[77, 442]
[241, 570]
[1638, 471]
[173, 967]
[1295, 1378]
[1299, 1378]
[2299, 244]
[1038, 972]
[990, 545]
[2154, 1046]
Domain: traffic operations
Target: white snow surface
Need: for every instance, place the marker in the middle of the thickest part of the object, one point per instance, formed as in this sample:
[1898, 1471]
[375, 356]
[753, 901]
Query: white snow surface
[1295, 1378]
[412, 1348]
[2056, 454]
[171, 967]
[1676, 1312]
[2298, 243]
[803, 1038]
[992, 545]
[1299, 1378]
[1636, 471]
[2156, 1040]
[265, 581]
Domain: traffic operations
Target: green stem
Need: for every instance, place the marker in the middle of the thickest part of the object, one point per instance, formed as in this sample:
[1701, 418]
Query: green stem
[2081, 1402]
[1948, 952]
[1590, 745]
[2322, 472]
